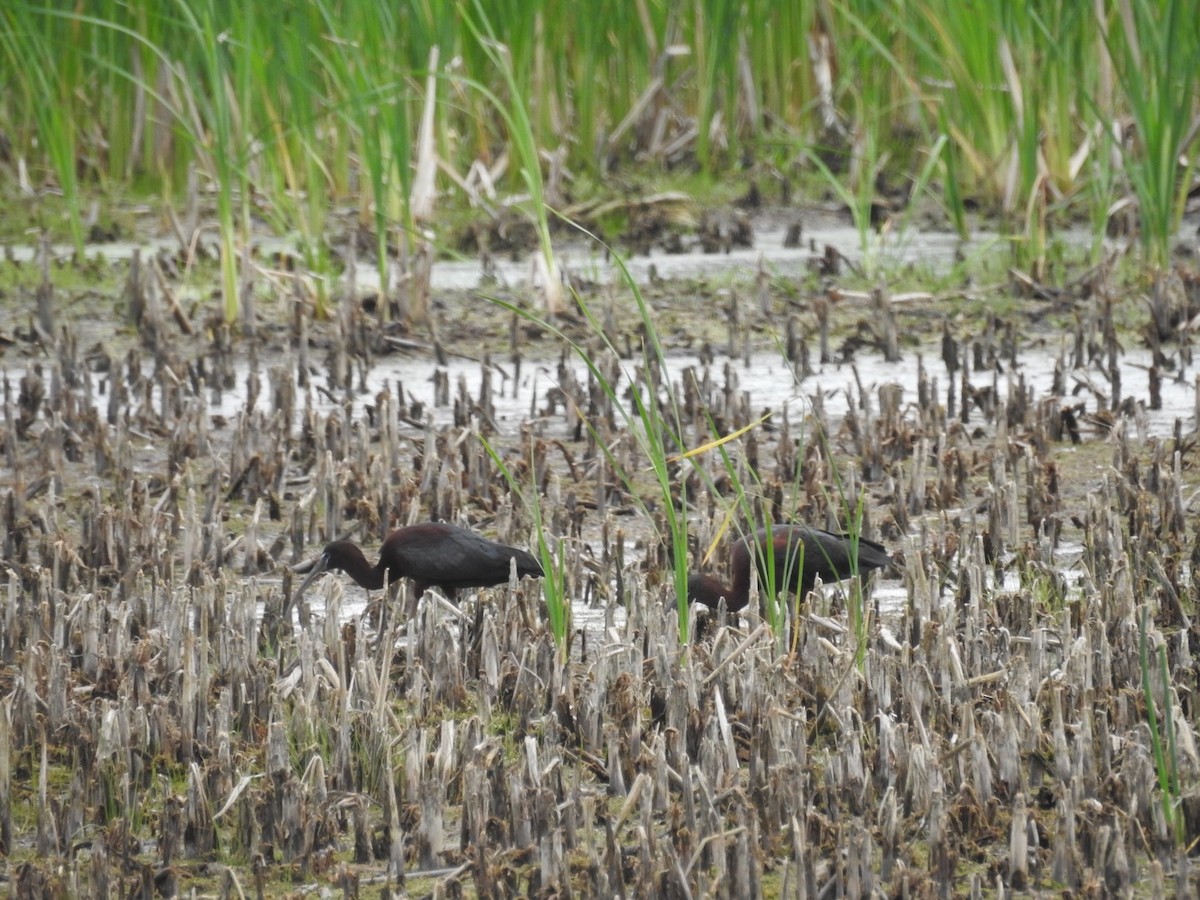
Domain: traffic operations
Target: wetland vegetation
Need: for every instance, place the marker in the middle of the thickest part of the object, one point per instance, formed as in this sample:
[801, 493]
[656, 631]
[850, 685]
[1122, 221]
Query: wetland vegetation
[225, 344]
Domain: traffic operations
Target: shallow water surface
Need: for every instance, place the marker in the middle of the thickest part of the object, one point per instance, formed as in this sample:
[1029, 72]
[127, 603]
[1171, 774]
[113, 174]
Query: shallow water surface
[770, 384]
[766, 380]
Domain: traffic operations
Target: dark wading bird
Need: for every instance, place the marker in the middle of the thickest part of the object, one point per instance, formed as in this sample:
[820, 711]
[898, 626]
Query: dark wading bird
[801, 553]
[433, 554]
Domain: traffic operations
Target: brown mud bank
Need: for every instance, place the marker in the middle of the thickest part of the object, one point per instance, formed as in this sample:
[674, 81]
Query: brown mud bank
[1010, 708]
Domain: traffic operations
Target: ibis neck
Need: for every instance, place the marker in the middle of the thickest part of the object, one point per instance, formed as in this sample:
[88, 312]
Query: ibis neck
[365, 575]
[707, 590]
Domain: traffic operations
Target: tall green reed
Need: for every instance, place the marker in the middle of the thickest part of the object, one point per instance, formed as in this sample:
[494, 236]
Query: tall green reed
[714, 49]
[856, 196]
[1162, 731]
[521, 133]
[314, 103]
[218, 124]
[368, 100]
[35, 42]
[296, 122]
[1156, 47]
[650, 413]
[749, 504]
[550, 553]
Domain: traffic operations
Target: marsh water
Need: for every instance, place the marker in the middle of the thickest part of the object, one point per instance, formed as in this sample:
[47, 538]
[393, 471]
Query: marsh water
[766, 380]
[955, 622]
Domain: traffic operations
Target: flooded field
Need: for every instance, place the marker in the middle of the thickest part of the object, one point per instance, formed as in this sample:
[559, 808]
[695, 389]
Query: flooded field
[667, 450]
[990, 712]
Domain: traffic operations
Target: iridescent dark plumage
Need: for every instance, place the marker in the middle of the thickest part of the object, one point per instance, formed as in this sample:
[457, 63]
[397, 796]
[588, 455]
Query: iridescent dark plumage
[432, 554]
[800, 552]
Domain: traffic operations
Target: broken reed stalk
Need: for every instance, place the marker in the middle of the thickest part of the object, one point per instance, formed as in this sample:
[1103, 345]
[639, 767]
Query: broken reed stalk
[135, 655]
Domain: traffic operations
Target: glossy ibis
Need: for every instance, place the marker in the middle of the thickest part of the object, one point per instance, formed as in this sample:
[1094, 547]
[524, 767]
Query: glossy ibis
[801, 553]
[432, 554]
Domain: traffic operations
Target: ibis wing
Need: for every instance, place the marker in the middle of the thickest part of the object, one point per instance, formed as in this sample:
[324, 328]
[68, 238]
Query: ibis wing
[832, 553]
[457, 558]
[803, 552]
